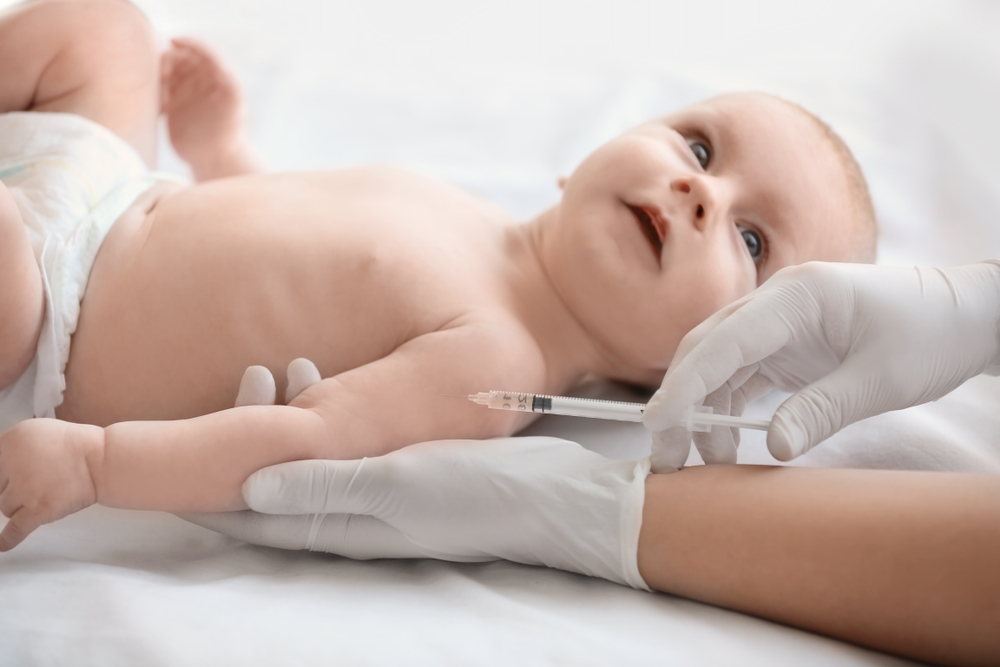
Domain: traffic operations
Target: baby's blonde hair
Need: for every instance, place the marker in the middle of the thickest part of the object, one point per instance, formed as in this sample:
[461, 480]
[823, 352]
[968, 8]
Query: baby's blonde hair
[862, 209]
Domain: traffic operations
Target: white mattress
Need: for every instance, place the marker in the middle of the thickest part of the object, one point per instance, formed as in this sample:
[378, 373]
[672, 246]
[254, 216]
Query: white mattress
[501, 98]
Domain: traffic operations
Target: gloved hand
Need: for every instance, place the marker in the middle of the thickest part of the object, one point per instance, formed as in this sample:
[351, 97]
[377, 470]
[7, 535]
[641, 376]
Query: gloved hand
[853, 340]
[539, 501]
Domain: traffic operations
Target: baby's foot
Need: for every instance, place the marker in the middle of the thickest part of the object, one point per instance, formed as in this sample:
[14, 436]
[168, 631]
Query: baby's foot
[203, 102]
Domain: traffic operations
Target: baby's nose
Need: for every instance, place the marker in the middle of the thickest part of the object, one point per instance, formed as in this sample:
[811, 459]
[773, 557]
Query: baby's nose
[696, 199]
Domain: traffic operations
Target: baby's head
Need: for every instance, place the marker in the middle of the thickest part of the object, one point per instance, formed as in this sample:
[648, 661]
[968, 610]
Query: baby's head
[674, 219]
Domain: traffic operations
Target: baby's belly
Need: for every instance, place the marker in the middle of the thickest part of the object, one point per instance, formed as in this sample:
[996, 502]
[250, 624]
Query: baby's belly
[219, 278]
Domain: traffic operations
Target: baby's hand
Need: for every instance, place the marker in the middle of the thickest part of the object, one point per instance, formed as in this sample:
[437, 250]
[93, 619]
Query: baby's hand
[45, 474]
[203, 102]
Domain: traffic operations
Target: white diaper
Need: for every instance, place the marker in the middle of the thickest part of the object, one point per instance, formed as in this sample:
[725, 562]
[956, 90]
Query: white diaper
[71, 179]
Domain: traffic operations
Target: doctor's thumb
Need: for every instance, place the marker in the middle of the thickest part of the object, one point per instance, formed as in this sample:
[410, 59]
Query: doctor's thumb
[813, 414]
[308, 487]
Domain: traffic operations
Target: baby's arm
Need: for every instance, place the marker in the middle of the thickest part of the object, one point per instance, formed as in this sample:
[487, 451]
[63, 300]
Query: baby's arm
[49, 468]
[418, 393]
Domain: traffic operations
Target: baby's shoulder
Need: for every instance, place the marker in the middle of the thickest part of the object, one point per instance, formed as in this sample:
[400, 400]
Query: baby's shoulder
[420, 190]
[499, 347]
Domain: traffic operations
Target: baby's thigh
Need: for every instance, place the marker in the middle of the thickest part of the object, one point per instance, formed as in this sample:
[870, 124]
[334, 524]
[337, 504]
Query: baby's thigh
[21, 300]
[95, 58]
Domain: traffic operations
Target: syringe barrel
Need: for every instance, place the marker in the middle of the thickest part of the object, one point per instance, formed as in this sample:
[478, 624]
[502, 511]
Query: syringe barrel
[565, 405]
[588, 407]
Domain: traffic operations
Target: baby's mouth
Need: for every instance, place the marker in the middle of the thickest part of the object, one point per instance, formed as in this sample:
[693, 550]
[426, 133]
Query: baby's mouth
[652, 227]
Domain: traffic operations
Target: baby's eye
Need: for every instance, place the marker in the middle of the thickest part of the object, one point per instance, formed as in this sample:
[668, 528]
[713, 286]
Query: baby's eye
[701, 151]
[755, 245]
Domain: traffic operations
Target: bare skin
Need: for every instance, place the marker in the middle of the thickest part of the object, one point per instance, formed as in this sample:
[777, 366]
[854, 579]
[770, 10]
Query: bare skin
[903, 562]
[398, 287]
[20, 292]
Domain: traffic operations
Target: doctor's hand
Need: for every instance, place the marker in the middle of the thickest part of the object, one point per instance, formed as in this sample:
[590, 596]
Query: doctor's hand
[852, 340]
[539, 501]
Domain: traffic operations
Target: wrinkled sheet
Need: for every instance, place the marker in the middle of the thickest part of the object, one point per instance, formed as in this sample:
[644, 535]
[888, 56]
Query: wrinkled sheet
[500, 98]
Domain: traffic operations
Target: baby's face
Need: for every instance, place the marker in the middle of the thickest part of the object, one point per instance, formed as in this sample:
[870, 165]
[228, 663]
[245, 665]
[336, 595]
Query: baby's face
[674, 219]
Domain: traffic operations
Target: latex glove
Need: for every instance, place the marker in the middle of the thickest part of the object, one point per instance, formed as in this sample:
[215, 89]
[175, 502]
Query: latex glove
[852, 340]
[257, 386]
[539, 501]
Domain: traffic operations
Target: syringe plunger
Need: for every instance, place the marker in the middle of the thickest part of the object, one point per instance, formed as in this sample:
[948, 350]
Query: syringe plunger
[698, 418]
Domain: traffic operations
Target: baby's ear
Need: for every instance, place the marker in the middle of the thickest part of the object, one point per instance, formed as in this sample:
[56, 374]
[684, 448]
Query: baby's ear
[561, 182]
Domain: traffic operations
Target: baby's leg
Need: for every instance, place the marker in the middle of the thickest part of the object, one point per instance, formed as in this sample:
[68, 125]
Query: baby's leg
[203, 102]
[95, 58]
[21, 301]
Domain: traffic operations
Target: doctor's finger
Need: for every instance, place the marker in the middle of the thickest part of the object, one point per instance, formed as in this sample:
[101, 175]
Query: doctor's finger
[752, 333]
[813, 414]
[362, 537]
[718, 444]
[756, 386]
[256, 387]
[301, 374]
[315, 487]
[740, 378]
[272, 530]
[671, 448]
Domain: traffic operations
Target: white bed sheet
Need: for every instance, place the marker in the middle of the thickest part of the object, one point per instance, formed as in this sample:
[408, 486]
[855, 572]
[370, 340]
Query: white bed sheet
[501, 98]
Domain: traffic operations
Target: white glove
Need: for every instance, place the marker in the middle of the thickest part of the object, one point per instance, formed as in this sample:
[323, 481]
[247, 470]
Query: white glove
[539, 501]
[853, 340]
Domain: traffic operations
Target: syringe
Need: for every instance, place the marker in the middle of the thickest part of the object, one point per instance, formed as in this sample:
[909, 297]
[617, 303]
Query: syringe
[698, 418]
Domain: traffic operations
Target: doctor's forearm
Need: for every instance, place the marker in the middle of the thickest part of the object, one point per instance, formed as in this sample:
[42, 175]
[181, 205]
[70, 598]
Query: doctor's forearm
[199, 465]
[904, 562]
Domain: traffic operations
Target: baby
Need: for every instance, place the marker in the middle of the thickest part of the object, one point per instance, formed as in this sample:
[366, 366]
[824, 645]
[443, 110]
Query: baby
[399, 287]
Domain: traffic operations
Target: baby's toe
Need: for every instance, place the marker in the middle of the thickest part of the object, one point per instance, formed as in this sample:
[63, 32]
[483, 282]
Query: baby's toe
[199, 52]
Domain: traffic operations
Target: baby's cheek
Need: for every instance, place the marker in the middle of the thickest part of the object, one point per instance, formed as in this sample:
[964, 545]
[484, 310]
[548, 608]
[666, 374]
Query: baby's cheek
[714, 290]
